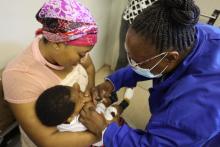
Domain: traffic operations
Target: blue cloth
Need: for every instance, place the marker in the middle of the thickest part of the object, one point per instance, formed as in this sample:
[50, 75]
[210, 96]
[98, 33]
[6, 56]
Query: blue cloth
[185, 105]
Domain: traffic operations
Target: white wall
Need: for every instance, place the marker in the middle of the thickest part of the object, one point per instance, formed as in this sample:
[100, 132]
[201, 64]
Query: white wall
[112, 43]
[101, 11]
[18, 26]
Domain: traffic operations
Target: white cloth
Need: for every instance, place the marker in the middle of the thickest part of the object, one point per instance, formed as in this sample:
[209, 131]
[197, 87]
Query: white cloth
[135, 7]
[75, 126]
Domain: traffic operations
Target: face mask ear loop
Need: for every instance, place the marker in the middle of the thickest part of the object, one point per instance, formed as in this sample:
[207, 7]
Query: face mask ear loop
[159, 61]
[163, 69]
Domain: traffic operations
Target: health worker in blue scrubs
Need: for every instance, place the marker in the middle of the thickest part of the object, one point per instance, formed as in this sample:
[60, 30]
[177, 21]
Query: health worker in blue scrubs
[166, 43]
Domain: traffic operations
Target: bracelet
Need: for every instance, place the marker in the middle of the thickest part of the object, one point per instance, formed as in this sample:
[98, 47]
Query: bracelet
[113, 97]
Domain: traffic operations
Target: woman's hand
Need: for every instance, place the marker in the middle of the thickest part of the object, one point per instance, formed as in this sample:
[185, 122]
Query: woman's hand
[101, 91]
[94, 121]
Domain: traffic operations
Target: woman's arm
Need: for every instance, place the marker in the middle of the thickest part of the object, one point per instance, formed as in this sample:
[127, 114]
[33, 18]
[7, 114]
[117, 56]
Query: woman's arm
[44, 136]
[90, 69]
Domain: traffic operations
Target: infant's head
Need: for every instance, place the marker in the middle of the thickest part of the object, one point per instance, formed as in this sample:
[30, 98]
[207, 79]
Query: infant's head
[59, 103]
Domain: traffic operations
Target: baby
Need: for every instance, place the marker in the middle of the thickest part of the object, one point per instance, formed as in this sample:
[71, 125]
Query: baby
[60, 106]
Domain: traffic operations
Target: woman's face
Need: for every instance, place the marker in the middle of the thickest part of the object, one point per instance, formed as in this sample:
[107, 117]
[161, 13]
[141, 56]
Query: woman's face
[140, 49]
[68, 56]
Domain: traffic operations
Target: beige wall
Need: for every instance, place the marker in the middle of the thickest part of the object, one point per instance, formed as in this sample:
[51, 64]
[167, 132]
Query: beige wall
[207, 7]
[101, 11]
[112, 43]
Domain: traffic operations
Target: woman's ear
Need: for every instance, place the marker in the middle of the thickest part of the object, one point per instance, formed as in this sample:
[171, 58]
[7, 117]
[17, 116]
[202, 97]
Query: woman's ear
[172, 56]
[58, 46]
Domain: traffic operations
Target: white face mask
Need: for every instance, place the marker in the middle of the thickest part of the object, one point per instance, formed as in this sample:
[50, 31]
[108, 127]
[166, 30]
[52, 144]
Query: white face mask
[147, 72]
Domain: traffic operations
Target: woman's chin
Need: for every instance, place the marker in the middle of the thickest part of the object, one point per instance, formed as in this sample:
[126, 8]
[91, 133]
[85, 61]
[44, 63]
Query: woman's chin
[69, 66]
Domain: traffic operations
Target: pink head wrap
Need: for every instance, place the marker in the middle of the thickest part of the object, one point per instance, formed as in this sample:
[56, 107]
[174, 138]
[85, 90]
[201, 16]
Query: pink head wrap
[67, 21]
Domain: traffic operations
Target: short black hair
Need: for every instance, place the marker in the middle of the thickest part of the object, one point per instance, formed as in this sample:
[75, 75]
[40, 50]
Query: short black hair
[169, 23]
[54, 105]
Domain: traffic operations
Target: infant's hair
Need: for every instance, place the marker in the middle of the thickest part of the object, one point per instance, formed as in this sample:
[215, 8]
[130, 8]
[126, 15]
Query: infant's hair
[54, 105]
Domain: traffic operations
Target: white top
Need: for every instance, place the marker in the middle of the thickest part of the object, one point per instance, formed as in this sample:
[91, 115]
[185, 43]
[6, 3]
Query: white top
[135, 7]
[77, 75]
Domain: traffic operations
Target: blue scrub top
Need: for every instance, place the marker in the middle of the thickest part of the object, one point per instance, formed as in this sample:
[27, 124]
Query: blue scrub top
[185, 105]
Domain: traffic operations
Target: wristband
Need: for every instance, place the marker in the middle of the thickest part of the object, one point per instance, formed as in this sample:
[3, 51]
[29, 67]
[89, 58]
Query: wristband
[124, 104]
[113, 97]
[108, 113]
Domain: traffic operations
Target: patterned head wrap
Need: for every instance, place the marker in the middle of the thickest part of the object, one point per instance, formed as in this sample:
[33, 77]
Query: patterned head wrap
[67, 21]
